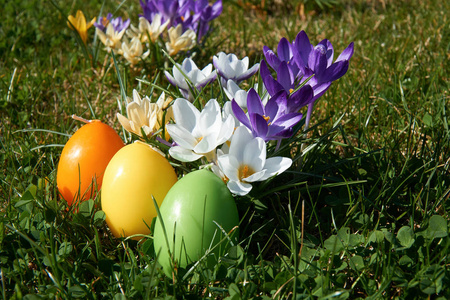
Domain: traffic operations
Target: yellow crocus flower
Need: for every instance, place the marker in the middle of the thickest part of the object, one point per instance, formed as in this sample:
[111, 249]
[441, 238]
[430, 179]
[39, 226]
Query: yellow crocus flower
[79, 24]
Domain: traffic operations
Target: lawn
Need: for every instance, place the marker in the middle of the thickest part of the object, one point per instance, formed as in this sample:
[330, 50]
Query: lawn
[362, 211]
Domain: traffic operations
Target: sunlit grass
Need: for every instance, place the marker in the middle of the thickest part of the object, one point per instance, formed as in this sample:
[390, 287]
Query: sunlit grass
[370, 195]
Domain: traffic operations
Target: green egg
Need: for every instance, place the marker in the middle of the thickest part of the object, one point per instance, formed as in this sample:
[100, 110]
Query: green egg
[196, 212]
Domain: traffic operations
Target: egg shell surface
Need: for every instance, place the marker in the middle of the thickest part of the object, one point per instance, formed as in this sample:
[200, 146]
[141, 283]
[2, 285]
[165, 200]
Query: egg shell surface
[133, 176]
[84, 159]
[188, 213]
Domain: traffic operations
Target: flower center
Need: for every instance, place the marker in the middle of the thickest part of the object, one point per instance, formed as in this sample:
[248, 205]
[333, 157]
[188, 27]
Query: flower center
[105, 21]
[267, 119]
[244, 172]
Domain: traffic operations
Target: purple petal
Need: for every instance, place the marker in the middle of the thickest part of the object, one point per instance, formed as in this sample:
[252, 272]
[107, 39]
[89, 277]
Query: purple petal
[254, 104]
[302, 50]
[259, 126]
[288, 120]
[263, 69]
[240, 114]
[285, 76]
[276, 105]
[284, 51]
[335, 71]
[271, 58]
[320, 89]
[329, 50]
[317, 60]
[346, 54]
[300, 98]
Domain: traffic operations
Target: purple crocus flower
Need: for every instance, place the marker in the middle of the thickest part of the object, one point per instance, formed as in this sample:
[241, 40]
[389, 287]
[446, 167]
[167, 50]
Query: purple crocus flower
[318, 61]
[270, 122]
[173, 10]
[205, 13]
[149, 10]
[103, 22]
[286, 80]
[284, 54]
[117, 23]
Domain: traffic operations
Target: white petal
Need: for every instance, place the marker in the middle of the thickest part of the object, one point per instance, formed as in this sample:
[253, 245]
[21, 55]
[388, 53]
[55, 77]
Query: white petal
[210, 118]
[240, 138]
[207, 144]
[239, 188]
[181, 136]
[276, 165]
[229, 166]
[226, 131]
[186, 114]
[255, 154]
[183, 154]
[255, 176]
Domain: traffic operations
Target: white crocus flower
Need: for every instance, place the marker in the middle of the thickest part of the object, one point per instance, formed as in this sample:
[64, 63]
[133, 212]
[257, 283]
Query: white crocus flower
[196, 133]
[246, 162]
[179, 41]
[228, 66]
[133, 51]
[142, 113]
[111, 38]
[189, 72]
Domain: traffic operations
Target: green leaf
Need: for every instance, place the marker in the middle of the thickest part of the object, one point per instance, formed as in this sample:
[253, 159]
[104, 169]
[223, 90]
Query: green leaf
[406, 237]
[405, 260]
[65, 249]
[431, 280]
[77, 292]
[233, 289]
[86, 208]
[437, 227]
[333, 244]
[99, 217]
[427, 119]
[356, 262]
[376, 237]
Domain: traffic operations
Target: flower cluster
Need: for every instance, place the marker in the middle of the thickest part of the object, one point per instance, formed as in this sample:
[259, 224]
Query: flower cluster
[172, 25]
[233, 139]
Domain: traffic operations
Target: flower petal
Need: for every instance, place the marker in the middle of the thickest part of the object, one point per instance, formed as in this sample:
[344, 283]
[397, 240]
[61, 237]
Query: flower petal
[239, 188]
[181, 136]
[185, 114]
[183, 154]
[276, 165]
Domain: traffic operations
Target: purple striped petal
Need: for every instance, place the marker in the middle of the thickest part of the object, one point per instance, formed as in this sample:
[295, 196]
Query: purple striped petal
[240, 114]
[254, 104]
[259, 126]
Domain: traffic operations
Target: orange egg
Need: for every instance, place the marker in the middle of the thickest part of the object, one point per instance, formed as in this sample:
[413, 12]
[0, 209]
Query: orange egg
[84, 159]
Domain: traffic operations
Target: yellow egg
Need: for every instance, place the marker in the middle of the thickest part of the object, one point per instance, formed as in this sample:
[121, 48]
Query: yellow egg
[134, 174]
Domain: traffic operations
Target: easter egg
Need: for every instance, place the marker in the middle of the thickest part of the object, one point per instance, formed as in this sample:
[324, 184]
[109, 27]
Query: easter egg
[84, 159]
[132, 177]
[196, 212]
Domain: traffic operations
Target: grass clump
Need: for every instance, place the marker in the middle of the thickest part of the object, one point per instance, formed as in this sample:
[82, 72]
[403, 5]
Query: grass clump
[363, 212]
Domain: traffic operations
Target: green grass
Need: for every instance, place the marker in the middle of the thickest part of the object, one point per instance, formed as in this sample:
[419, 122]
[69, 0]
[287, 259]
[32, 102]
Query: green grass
[363, 214]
